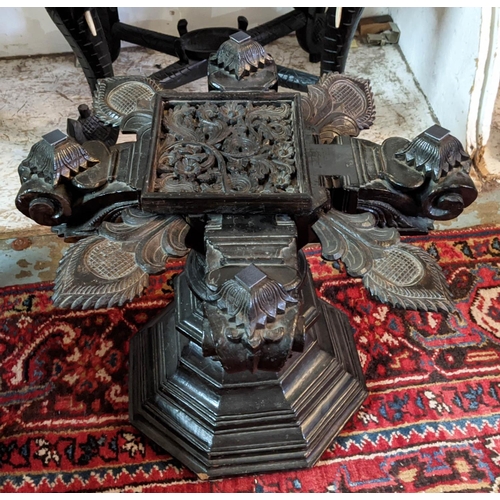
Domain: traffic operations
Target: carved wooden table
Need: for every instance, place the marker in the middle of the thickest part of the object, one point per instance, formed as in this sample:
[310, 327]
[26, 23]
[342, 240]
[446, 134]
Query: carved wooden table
[247, 370]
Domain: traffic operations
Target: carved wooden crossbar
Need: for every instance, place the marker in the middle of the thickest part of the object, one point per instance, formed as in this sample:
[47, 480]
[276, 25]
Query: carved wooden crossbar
[247, 370]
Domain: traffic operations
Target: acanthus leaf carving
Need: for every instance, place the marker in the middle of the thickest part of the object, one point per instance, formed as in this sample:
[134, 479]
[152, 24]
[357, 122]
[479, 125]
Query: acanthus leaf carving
[241, 57]
[49, 162]
[227, 147]
[113, 267]
[250, 308]
[395, 272]
[338, 105]
[435, 152]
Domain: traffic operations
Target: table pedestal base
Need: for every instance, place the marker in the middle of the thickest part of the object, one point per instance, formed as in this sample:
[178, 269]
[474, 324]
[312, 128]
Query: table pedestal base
[220, 423]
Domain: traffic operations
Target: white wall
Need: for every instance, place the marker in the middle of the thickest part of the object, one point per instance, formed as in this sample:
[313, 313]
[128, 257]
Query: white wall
[29, 30]
[441, 45]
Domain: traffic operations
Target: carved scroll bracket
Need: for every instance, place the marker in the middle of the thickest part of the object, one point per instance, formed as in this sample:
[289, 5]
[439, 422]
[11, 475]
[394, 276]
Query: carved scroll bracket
[405, 184]
[47, 175]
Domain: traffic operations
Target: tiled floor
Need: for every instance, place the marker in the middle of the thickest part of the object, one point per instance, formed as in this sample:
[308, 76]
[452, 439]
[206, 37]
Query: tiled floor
[39, 94]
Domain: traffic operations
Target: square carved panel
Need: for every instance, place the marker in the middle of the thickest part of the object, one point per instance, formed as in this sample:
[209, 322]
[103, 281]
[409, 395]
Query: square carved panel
[227, 153]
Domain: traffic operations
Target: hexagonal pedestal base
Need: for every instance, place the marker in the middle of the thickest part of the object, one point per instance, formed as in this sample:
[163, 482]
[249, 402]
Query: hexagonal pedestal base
[220, 423]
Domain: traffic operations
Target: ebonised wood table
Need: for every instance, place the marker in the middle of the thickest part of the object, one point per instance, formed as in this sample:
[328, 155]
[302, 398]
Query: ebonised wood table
[246, 370]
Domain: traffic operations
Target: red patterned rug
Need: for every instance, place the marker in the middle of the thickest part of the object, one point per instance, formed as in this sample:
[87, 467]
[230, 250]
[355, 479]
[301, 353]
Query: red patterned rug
[431, 422]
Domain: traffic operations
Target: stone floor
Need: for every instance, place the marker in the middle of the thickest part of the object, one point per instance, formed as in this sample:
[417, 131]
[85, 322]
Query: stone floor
[40, 93]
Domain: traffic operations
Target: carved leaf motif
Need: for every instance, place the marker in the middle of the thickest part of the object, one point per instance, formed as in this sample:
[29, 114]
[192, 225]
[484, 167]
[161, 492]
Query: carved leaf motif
[241, 59]
[316, 105]
[90, 227]
[435, 158]
[168, 183]
[50, 163]
[353, 96]
[409, 277]
[397, 273]
[114, 266]
[267, 113]
[116, 97]
[388, 216]
[252, 309]
[213, 131]
[339, 125]
[190, 167]
[96, 272]
[261, 168]
[341, 103]
[172, 242]
[180, 122]
[38, 163]
[240, 183]
[69, 158]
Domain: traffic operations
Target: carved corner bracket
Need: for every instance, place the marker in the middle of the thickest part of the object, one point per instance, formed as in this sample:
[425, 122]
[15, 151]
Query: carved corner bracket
[405, 184]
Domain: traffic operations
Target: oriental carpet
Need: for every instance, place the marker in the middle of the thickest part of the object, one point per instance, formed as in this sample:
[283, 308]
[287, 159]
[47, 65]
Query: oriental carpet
[430, 424]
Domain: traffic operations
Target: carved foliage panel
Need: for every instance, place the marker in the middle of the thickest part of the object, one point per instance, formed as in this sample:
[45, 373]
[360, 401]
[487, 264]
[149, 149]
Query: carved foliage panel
[228, 146]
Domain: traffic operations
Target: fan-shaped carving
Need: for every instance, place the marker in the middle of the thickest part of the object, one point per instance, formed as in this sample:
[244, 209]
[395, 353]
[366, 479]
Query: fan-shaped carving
[395, 272]
[113, 267]
[338, 105]
[115, 98]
